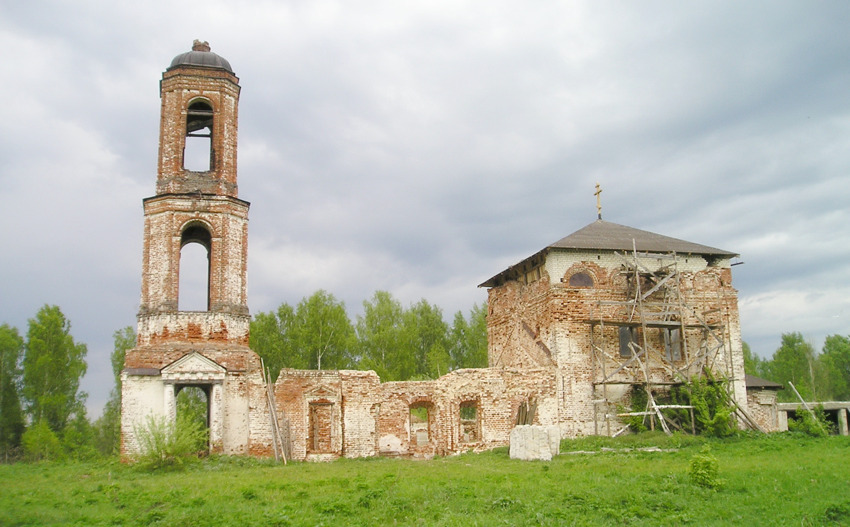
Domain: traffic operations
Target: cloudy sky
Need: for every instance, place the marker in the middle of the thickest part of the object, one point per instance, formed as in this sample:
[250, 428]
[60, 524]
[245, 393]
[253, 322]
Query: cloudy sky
[421, 147]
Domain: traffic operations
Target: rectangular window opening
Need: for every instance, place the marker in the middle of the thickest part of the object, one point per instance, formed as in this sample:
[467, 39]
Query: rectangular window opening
[420, 432]
[319, 439]
[673, 344]
[469, 426]
[628, 335]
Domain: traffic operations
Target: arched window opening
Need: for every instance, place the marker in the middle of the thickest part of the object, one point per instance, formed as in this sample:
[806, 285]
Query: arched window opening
[198, 154]
[194, 292]
[193, 407]
[581, 279]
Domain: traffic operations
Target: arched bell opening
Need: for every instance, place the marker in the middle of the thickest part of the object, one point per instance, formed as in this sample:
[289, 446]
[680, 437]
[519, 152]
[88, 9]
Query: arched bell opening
[198, 155]
[194, 286]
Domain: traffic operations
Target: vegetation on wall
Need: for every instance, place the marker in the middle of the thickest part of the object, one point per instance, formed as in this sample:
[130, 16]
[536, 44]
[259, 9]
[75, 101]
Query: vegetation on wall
[711, 414]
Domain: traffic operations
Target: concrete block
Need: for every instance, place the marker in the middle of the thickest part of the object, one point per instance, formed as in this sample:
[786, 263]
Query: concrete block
[534, 443]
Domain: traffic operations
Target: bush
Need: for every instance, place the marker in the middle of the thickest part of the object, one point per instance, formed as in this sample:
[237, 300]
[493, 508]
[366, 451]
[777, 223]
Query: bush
[713, 411]
[704, 469]
[78, 438]
[41, 444]
[638, 400]
[805, 423]
[163, 443]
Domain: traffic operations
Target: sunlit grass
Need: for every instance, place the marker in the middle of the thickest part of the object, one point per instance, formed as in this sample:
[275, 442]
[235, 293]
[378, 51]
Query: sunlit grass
[779, 479]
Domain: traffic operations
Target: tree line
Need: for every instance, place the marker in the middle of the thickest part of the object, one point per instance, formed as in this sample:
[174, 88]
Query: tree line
[42, 409]
[823, 376]
[398, 343]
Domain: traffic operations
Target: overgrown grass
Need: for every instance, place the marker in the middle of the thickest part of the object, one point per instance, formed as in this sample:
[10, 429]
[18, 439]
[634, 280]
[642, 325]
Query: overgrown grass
[783, 479]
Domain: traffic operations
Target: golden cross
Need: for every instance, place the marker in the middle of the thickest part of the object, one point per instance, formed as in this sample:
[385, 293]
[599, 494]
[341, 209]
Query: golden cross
[598, 201]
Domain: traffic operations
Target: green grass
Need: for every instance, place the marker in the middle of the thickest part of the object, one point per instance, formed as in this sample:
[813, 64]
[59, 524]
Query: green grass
[778, 480]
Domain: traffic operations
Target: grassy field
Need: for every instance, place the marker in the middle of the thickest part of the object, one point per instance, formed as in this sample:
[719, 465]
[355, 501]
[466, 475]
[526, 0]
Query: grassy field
[767, 480]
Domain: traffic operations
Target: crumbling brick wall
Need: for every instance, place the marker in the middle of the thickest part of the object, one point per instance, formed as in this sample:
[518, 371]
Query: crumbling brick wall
[540, 319]
[763, 409]
[369, 418]
[239, 416]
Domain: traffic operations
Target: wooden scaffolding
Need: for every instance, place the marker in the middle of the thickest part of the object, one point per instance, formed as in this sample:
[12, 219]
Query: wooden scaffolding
[662, 340]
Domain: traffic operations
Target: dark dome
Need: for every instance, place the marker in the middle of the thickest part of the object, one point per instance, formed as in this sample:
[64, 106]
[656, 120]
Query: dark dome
[201, 56]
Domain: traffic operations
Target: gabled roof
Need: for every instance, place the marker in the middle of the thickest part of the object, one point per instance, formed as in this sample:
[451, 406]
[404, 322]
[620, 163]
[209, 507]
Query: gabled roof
[611, 236]
[757, 382]
[607, 236]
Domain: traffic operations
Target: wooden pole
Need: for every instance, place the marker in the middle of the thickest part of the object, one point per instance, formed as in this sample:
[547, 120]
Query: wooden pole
[806, 406]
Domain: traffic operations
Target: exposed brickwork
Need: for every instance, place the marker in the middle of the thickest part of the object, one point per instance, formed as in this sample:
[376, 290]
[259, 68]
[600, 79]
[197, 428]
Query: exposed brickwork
[547, 322]
[368, 418]
[197, 207]
[179, 88]
[762, 408]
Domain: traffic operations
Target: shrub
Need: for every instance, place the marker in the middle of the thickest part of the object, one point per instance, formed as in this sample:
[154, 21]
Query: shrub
[638, 400]
[40, 443]
[713, 410]
[163, 443]
[815, 426]
[704, 469]
[78, 438]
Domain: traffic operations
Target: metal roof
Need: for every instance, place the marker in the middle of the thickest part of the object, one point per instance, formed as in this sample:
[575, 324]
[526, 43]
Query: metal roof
[611, 236]
[607, 236]
[757, 382]
[201, 56]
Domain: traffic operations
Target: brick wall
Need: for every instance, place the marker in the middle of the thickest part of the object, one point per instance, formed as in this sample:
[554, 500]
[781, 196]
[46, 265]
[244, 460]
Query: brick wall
[368, 418]
[178, 89]
[542, 321]
[762, 408]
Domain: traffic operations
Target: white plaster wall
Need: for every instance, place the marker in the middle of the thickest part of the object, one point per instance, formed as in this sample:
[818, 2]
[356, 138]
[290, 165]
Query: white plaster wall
[141, 396]
[558, 261]
[235, 416]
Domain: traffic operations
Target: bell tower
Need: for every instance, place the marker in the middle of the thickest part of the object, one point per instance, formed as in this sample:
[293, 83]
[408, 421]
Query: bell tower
[196, 203]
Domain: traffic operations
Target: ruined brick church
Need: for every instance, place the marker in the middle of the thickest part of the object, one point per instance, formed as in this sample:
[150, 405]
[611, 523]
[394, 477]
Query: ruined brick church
[573, 330]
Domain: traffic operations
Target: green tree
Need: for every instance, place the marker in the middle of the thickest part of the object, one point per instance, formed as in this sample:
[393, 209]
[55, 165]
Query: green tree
[424, 340]
[193, 407]
[272, 338]
[11, 415]
[78, 437]
[835, 360]
[323, 333]
[107, 429]
[52, 367]
[379, 335]
[794, 361]
[41, 443]
[753, 364]
[438, 361]
[468, 339]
